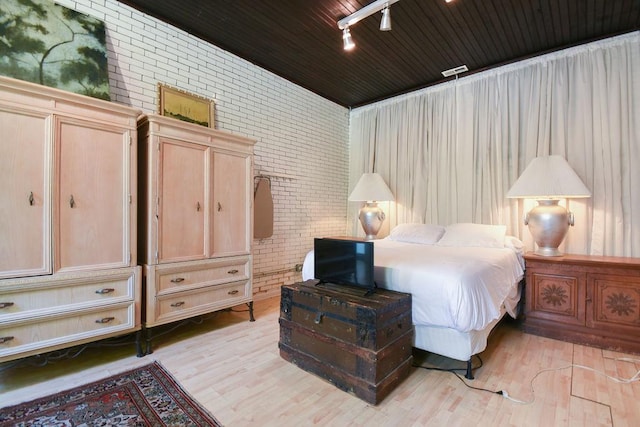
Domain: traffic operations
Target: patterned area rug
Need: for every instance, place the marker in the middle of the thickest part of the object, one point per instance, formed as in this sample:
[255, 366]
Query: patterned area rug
[146, 396]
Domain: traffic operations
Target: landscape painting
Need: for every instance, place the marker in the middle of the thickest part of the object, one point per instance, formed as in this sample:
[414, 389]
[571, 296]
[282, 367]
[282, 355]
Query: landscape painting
[49, 44]
[185, 106]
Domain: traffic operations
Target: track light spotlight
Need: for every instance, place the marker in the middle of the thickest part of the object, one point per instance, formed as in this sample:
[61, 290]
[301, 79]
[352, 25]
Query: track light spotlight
[385, 22]
[365, 12]
[357, 16]
[347, 41]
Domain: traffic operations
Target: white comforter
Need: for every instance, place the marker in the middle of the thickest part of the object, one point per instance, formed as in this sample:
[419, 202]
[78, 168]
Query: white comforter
[455, 287]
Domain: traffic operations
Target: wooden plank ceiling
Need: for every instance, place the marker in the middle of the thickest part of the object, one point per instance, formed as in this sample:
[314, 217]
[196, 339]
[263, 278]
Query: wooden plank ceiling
[299, 40]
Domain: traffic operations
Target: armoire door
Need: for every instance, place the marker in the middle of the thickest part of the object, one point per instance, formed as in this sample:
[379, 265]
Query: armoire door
[232, 197]
[183, 201]
[25, 202]
[93, 198]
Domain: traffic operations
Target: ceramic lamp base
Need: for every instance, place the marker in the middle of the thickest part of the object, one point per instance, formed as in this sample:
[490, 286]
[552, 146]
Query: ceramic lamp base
[548, 223]
[371, 218]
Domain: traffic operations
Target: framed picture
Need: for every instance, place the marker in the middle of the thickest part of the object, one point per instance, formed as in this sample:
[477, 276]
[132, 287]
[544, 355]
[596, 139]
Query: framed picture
[45, 43]
[185, 106]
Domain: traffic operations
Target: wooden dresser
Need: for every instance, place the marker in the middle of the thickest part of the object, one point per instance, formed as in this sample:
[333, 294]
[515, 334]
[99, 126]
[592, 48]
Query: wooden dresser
[592, 300]
[68, 205]
[196, 187]
[361, 344]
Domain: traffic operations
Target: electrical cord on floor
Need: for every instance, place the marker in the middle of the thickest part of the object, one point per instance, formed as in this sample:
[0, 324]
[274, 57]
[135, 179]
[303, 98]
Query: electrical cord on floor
[455, 371]
[503, 393]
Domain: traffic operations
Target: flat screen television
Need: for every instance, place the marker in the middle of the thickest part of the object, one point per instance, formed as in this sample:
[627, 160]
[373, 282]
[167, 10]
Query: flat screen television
[344, 262]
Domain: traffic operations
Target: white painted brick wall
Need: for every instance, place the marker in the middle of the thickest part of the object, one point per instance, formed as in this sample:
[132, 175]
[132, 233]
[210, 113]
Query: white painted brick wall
[300, 135]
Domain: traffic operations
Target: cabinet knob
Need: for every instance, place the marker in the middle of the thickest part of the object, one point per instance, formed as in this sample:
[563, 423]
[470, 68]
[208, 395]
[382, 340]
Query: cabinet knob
[104, 291]
[31, 199]
[177, 304]
[105, 320]
[5, 339]
[177, 280]
[5, 304]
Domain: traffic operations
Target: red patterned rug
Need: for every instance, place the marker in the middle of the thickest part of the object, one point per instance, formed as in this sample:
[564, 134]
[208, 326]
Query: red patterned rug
[146, 396]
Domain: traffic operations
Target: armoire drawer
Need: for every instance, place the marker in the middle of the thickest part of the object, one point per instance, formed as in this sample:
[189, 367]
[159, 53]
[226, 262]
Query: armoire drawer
[54, 331]
[192, 303]
[45, 296]
[200, 274]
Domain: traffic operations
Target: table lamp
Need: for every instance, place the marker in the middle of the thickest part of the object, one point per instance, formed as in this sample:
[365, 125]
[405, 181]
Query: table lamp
[371, 189]
[548, 179]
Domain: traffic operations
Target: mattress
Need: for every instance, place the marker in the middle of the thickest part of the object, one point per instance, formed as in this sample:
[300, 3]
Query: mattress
[463, 288]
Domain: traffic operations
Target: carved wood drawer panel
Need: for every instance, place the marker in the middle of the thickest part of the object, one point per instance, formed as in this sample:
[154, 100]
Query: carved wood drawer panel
[615, 301]
[557, 296]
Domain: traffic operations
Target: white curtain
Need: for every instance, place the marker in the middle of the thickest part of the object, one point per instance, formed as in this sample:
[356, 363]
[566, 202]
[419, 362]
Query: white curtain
[450, 153]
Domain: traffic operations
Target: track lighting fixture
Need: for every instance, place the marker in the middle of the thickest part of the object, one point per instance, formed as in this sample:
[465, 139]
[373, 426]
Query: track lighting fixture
[357, 16]
[347, 41]
[385, 22]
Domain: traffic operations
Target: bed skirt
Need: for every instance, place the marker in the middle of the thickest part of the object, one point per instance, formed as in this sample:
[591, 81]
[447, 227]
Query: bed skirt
[451, 343]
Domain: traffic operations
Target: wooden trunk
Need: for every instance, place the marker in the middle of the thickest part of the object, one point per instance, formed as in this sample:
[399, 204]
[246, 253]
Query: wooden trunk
[361, 344]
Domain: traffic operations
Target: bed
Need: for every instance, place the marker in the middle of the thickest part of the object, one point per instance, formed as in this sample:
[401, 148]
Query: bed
[463, 279]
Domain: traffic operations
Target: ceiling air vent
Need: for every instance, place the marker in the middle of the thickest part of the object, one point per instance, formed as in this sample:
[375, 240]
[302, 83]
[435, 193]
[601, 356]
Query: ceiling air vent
[454, 71]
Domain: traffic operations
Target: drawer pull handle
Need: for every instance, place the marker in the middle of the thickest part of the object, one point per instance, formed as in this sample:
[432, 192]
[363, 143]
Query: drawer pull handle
[234, 271]
[72, 203]
[5, 304]
[104, 291]
[105, 320]
[177, 304]
[177, 280]
[219, 207]
[233, 292]
[198, 207]
[31, 199]
[5, 339]
[318, 318]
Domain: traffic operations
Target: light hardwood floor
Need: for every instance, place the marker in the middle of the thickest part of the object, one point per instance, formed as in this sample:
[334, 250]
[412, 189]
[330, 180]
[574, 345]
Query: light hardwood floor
[233, 368]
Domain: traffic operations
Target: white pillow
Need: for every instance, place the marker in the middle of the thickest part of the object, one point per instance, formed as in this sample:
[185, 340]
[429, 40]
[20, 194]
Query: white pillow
[512, 242]
[426, 234]
[477, 235]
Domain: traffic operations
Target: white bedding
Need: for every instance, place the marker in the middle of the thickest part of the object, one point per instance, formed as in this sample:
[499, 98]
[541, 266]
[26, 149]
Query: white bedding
[454, 287]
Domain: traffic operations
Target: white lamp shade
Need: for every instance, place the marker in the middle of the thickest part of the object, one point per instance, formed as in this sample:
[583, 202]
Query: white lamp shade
[548, 177]
[371, 187]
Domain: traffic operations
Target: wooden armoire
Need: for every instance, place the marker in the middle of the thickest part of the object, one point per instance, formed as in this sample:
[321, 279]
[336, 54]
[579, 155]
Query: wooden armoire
[196, 186]
[68, 203]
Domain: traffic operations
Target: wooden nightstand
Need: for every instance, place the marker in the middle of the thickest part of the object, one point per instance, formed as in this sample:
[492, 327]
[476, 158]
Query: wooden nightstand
[592, 300]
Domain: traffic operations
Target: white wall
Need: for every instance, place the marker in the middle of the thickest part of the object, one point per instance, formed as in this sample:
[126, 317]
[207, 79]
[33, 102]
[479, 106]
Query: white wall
[302, 137]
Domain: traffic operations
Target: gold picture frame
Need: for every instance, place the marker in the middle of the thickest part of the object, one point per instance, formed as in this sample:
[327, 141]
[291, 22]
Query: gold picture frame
[185, 106]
